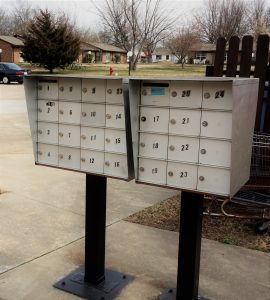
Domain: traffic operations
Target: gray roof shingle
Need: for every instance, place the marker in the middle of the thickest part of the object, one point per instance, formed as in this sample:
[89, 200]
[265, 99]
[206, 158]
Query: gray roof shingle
[12, 40]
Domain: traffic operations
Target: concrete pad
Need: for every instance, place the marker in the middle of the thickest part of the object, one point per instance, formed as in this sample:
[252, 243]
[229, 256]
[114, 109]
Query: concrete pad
[12, 91]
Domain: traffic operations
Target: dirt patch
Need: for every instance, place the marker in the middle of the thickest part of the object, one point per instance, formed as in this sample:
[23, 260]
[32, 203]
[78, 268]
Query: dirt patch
[233, 231]
[2, 191]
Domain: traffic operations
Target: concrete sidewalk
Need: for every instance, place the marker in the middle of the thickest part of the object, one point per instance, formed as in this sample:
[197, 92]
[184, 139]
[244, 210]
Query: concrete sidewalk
[42, 230]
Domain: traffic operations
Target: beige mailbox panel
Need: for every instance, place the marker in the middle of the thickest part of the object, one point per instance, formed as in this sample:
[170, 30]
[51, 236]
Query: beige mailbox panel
[93, 115]
[47, 154]
[155, 94]
[92, 161]
[69, 158]
[70, 112]
[48, 89]
[153, 145]
[115, 140]
[47, 133]
[48, 110]
[115, 165]
[152, 171]
[70, 89]
[154, 119]
[114, 92]
[94, 90]
[92, 138]
[69, 135]
[115, 116]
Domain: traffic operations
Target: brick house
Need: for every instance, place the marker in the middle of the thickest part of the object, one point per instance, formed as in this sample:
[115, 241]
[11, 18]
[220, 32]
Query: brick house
[11, 48]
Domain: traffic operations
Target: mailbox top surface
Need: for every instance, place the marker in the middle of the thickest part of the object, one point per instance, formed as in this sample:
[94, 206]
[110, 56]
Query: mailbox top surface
[81, 76]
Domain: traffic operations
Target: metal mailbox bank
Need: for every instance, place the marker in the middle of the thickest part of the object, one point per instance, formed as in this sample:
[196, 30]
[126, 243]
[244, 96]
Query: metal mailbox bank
[78, 123]
[193, 133]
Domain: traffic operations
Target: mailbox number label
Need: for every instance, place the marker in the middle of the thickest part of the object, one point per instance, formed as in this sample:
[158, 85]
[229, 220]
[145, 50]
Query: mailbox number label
[155, 146]
[156, 118]
[118, 116]
[185, 120]
[69, 157]
[219, 94]
[116, 164]
[93, 114]
[91, 160]
[117, 141]
[155, 171]
[183, 174]
[93, 137]
[186, 93]
[48, 131]
[185, 147]
[49, 154]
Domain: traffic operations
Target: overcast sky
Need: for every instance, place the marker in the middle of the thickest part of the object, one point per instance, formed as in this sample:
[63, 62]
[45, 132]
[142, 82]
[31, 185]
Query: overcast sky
[85, 14]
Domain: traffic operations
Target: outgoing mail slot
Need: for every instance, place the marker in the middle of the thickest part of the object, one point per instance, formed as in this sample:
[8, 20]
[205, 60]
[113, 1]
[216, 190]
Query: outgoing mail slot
[92, 161]
[217, 95]
[69, 158]
[183, 149]
[213, 180]
[93, 90]
[115, 116]
[48, 110]
[152, 171]
[114, 91]
[69, 135]
[69, 112]
[154, 119]
[70, 89]
[182, 175]
[47, 154]
[216, 124]
[153, 145]
[115, 165]
[155, 93]
[115, 140]
[216, 153]
[47, 89]
[92, 137]
[186, 94]
[47, 133]
[93, 114]
[184, 122]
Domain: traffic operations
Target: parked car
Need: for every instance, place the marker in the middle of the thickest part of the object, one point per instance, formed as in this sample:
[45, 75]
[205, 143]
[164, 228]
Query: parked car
[11, 72]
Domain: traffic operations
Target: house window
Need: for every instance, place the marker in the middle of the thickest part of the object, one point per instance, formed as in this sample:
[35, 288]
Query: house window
[158, 57]
[200, 55]
[167, 57]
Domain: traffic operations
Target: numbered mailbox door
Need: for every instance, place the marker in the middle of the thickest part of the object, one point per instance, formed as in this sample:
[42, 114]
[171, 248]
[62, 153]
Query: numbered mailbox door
[114, 91]
[213, 180]
[186, 94]
[217, 95]
[152, 171]
[115, 116]
[47, 133]
[155, 93]
[215, 153]
[47, 154]
[70, 112]
[115, 141]
[216, 124]
[69, 135]
[92, 161]
[116, 165]
[154, 119]
[48, 89]
[48, 110]
[69, 158]
[70, 89]
[93, 115]
[94, 90]
[183, 149]
[185, 122]
[92, 138]
[153, 145]
[182, 175]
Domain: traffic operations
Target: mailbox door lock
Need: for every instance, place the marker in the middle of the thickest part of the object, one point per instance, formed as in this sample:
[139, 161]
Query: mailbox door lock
[141, 169]
[108, 116]
[61, 112]
[172, 148]
[61, 134]
[107, 163]
[143, 119]
[40, 110]
[40, 131]
[84, 114]
[174, 94]
[170, 173]
[39, 153]
[61, 156]
[173, 121]
[61, 88]
[109, 91]
[201, 178]
[206, 95]
[107, 140]
[204, 123]
[142, 144]
[84, 90]
[82, 159]
[83, 137]
[203, 151]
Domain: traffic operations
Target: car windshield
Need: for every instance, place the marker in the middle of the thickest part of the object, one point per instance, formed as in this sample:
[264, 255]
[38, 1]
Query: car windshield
[12, 66]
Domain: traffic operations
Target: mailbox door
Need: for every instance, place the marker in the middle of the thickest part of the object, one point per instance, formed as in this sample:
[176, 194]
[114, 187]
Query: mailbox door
[116, 165]
[182, 175]
[93, 114]
[183, 149]
[186, 94]
[154, 119]
[69, 158]
[216, 124]
[70, 112]
[152, 171]
[94, 90]
[155, 93]
[69, 135]
[114, 91]
[216, 153]
[92, 161]
[47, 133]
[213, 180]
[47, 154]
[92, 138]
[115, 116]
[48, 110]
[217, 95]
[185, 122]
[115, 141]
[153, 145]
[48, 89]
[70, 89]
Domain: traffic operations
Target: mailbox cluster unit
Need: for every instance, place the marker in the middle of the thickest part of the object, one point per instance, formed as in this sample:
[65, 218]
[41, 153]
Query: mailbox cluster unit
[78, 123]
[194, 133]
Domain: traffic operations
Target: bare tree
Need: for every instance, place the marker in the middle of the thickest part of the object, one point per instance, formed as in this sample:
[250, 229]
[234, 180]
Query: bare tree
[181, 42]
[88, 35]
[221, 18]
[6, 27]
[134, 24]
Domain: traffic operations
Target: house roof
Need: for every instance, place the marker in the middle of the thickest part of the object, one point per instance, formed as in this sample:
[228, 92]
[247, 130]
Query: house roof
[12, 40]
[161, 51]
[107, 47]
[87, 47]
